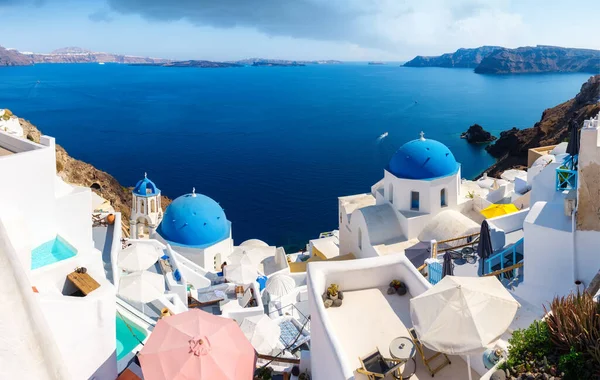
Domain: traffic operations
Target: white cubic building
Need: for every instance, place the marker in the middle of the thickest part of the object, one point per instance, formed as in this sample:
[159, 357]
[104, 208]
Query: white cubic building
[50, 329]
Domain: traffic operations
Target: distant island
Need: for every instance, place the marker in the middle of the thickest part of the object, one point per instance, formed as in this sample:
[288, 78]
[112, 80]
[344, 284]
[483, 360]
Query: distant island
[201, 64]
[375, 63]
[462, 58]
[12, 57]
[529, 59]
[282, 62]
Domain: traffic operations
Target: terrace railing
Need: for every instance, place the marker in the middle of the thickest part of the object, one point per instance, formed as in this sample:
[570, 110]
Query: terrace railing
[566, 174]
[501, 257]
[454, 243]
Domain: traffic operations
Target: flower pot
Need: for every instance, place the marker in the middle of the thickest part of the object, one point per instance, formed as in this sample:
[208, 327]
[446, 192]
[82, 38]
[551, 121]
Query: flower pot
[333, 297]
[110, 219]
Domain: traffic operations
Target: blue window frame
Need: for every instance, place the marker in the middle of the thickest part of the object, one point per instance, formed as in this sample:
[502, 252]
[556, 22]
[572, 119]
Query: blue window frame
[414, 200]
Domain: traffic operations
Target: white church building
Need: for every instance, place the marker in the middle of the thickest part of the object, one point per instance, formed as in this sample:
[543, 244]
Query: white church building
[422, 180]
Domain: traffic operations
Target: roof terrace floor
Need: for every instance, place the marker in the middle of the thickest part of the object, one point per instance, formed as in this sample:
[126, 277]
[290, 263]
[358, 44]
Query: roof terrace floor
[370, 319]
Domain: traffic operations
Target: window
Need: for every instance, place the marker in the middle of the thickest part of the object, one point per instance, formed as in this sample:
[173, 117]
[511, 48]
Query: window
[340, 218]
[414, 200]
[443, 198]
[142, 209]
[153, 205]
[391, 193]
[360, 239]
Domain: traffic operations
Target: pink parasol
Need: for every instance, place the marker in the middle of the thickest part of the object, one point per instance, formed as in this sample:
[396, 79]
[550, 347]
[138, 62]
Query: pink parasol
[197, 345]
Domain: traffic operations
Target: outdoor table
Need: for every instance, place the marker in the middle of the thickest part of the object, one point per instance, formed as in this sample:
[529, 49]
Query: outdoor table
[403, 348]
[84, 282]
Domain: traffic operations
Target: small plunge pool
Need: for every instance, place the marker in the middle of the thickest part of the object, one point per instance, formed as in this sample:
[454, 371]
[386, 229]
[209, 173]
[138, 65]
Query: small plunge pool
[51, 252]
[127, 339]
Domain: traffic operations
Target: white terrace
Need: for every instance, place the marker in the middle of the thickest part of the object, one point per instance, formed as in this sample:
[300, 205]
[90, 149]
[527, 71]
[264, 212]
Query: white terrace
[369, 318]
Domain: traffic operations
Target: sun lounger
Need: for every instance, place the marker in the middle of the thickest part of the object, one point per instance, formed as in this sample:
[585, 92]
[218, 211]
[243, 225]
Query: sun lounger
[427, 361]
[375, 366]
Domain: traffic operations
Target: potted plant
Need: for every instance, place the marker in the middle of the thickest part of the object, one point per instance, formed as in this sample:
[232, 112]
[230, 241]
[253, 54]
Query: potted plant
[398, 286]
[332, 291]
[304, 376]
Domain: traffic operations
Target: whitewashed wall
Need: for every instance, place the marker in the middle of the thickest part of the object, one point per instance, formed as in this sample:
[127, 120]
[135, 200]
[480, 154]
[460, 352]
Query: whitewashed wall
[31, 191]
[73, 218]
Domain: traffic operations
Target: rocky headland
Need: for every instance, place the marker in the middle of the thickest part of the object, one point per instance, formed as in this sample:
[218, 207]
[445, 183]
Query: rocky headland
[512, 146]
[477, 135]
[80, 173]
[528, 59]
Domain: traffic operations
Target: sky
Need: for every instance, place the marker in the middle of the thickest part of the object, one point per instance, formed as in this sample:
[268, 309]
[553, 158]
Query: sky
[351, 30]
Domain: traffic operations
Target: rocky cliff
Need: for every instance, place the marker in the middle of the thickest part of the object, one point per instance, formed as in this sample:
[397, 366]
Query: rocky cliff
[512, 146]
[13, 58]
[465, 58]
[79, 173]
[540, 59]
[528, 59]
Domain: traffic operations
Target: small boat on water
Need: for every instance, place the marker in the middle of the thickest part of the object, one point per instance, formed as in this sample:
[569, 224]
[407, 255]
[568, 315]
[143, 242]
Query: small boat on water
[101, 63]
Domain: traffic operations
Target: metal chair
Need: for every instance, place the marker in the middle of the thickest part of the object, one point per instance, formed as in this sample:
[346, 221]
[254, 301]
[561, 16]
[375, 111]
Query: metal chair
[375, 366]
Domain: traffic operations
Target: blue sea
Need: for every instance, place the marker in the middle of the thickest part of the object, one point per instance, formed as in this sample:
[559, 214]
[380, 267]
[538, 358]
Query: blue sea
[275, 146]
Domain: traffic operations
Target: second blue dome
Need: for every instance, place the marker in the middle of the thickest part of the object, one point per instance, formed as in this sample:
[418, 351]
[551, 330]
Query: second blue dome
[194, 220]
[423, 159]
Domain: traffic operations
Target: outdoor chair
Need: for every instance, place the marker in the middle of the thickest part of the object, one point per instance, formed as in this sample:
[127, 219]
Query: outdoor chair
[375, 366]
[427, 361]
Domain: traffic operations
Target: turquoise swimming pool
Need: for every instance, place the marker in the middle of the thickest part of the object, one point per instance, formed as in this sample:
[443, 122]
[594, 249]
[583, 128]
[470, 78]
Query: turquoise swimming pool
[51, 252]
[126, 341]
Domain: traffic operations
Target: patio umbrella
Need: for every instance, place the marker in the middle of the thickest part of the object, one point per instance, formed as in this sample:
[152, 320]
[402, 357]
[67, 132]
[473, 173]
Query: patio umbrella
[280, 285]
[137, 257]
[142, 286]
[573, 145]
[463, 315]
[484, 247]
[197, 345]
[418, 253]
[495, 210]
[262, 332]
[240, 273]
[448, 266]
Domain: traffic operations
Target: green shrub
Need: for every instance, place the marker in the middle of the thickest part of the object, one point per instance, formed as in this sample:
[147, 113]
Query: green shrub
[526, 345]
[574, 324]
[573, 365]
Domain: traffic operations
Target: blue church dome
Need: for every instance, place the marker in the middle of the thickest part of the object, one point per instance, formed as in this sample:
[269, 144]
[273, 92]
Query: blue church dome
[194, 220]
[423, 159]
[145, 188]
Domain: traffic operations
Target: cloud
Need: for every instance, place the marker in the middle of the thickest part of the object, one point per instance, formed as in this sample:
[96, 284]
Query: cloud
[101, 16]
[383, 24]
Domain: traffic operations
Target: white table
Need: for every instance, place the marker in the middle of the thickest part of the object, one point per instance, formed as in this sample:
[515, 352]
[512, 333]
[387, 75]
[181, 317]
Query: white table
[403, 348]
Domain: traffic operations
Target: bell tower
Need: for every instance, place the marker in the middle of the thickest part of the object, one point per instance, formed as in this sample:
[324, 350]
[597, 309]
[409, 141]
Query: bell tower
[146, 210]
